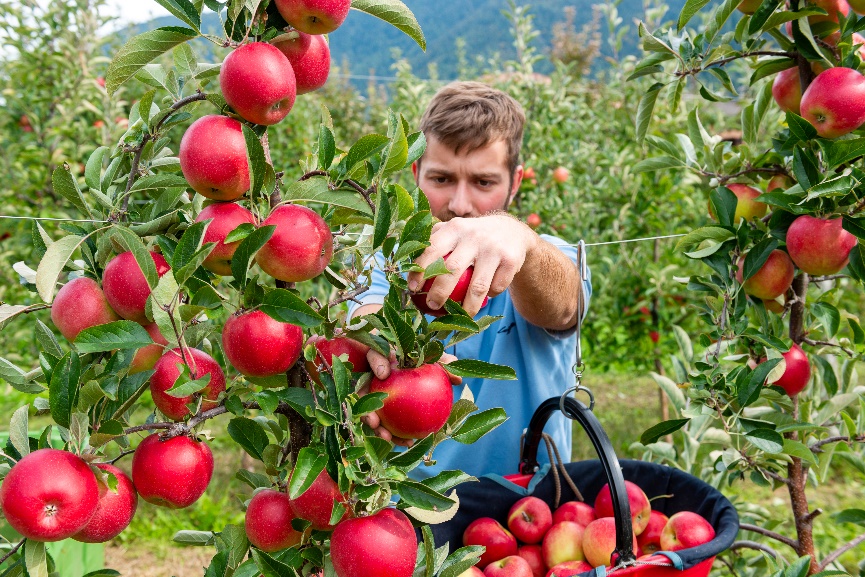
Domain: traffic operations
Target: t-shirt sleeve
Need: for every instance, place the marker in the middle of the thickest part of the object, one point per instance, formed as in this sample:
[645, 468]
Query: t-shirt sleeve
[378, 289]
[571, 252]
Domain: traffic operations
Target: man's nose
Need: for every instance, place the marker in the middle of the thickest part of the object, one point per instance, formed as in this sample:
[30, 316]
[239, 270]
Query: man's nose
[460, 203]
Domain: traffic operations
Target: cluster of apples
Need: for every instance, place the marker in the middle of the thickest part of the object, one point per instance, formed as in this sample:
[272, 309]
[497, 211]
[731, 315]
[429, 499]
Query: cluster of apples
[576, 537]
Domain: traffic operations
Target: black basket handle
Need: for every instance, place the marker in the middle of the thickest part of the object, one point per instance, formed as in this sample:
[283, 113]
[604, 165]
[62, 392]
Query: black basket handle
[573, 409]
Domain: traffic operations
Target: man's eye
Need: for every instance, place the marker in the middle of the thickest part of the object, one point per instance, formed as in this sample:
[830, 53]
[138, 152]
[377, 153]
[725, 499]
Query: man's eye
[440, 179]
[484, 183]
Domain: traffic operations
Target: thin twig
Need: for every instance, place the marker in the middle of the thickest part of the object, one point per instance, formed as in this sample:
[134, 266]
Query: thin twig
[754, 545]
[311, 174]
[348, 297]
[818, 446]
[841, 550]
[814, 343]
[12, 551]
[120, 456]
[771, 534]
[829, 277]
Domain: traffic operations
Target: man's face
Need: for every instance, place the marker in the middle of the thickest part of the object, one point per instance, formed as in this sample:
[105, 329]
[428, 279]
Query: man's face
[466, 184]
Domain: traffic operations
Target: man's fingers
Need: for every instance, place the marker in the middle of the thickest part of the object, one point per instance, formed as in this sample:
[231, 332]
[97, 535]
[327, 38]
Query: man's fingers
[372, 420]
[379, 364]
[445, 359]
[442, 241]
[479, 285]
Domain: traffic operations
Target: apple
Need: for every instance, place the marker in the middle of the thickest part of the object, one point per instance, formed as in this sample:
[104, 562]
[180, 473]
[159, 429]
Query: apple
[309, 57]
[655, 336]
[146, 357]
[569, 569]
[834, 103]
[80, 304]
[639, 503]
[213, 158]
[685, 530]
[337, 346]
[858, 6]
[749, 6]
[772, 280]
[787, 90]
[100, 81]
[49, 495]
[774, 306]
[314, 16]
[575, 511]
[316, 503]
[529, 519]
[513, 566]
[533, 220]
[97, 124]
[561, 175]
[797, 372]
[599, 541]
[268, 521]
[529, 173]
[258, 345]
[534, 555]
[171, 473]
[779, 181]
[258, 82]
[167, 370]
[819, 246]
[563, 542]
[458, 294]
[379, 545]
[114, 511]
[832, 7]
[301, 245]
[489, 533]
[746, 206]
[418, 402]
[224, 217]
[125, 287]
[472, 572]
[649, 540]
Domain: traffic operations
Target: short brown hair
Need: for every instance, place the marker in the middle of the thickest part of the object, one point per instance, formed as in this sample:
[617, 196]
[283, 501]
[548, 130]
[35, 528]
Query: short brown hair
[471, 115]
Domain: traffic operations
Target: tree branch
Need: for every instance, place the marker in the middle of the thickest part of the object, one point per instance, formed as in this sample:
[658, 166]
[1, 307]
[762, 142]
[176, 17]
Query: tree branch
[841, 550]
[817, 447]
[348, 297]
[771, 534]
[814, 343]
[725, 61]
[12, 551]
[754, 545]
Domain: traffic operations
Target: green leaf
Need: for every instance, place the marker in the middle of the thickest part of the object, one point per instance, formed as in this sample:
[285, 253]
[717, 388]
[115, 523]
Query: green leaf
[184, 388]
[256, 159]
[766, 440]
[249, 435]
[364, 148]
[155, 182]
[690, 8]
[246, 251]
[757, 257]
[35, 559]
[132, 242]
[65, 185]
[480, 369]
[184, 10]
[657, 163]
[413, 456]
[716, 236]
[478, 425]
[829, 317]
[855, 226]
[454, 323]
[142, 49]
[856, 329]
[62, 391]
[369, 403]
[18, 427]
[460, 560]
[762, 14]
[285, 306]
[797, 449]
[396, 13]
[310, 463]
[103, 573]
[857, 263]
[299, 399]
[112, 336]
[47, 340]
[645, 110]
[800, 128]
[316, 190]
[56, 256]
[840, 185]
[662, 429]
[269, 566]
[401, 329]
[382, 218]
[254, 480]
[239, 233]
[326, 147]
[718, 19]
[856, 516]
[93, 170]
[838, 152]
[750, 391]
[447, 480]
[418, 495]
[723, 203]
[397, 152]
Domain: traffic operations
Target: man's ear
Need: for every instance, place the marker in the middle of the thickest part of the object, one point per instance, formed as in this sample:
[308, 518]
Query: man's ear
[517, 181]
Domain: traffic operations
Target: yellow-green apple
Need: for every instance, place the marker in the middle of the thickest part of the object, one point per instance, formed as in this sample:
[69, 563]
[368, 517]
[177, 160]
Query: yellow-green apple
[258, 82]
[49, 495]
[314, 16]
[171, 473]
[855, 39]
[834, 103]
[268, 521]
[599, 541]
[458, 294]
[649, 540]
[166, 372]
[563, 542]
[80, 304]
[115, 509]
[749, 6]
[326, 349]
[533, 220]
[639, 503]
[797, 372]
[213, 158]
[774, 306]
[316, 503]
[779, 181]
[309, 57]
[126, 287]
[224, 217]
[258, 345]
[529, 518]
[529, 173]
[146, 357]
[746, 205]
[819, 246]
[569, 569]
[832, 7]
[534, 556]
[685, 530]
[418, 402]
[787, 90]
[561, 175]
[772, 280]
[858, 6]
[379, 545]
[301, 245]
[513, 566]
[489, 533]
[575, 511]
[472, 572]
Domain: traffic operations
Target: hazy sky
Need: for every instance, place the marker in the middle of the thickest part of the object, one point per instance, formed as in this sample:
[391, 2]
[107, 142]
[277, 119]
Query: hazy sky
[136, 10]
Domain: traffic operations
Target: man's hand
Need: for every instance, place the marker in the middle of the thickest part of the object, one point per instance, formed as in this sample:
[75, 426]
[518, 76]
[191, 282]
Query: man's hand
[381, 366]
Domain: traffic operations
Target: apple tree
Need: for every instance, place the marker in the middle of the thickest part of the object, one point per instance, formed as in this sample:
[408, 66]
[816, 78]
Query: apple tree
[214, 283]
[772, 384]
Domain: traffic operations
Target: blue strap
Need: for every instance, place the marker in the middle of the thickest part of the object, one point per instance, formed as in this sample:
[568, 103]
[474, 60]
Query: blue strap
[677, 561]
[601, 571]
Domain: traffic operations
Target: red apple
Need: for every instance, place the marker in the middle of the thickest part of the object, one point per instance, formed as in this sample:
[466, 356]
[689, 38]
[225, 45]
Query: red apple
[167, 370]
[314, 16]
[529, 518]
[575, 511]
[599, 541]
[268, 521]
[301, 245]
[125, 287]
[316, 503]
[797, 372]
[80, 304]
[832, 7]
[258, 82]
[418, 402]
[772, 280]
[309, 57]
[114, 511]
[569, 569]
[488, 532]
[655, 336]
[649, 540]
[787, 90]
[819, 246]
[749, 6]
[337, 346]
[834, 103]
[779, 181]
[380, 545]
[561, 175]
[258, 345]
[529, 173]
[226, 216]
[458, 294]
[24, 123]
[533, 220]
[513, 566]
[146, 357]
[685, 530]
[213, 158]
[563, 542]
[49, 495]
[639, 503]
[746, 206]
[471, 572]
[171, 473]
[534, 556]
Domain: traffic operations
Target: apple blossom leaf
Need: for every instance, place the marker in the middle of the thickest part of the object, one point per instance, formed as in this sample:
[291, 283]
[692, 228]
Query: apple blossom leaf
[415, 494]
[254, 480]
[309, 465]
[364, 148]
[447, 480]
[762, 14]
[856, 329]
[18, 427]
[189, 537]
[690, 8]
[757, 257]
[478, 425]
[241, 232]
[672, 390]
[368, 403]
[749, 392]
[723, 202]
[480, 369]
[189, 244]
[157, 225]
[269, 566]
[184, 387]
[382, 217]
[141, 50]
[285, 306]
[838, 152]
[416, 146]
[397, 152]
[800, 450]
[645, 110]
[718, 19]
[829, 317]
[35, 559]
[654, 433]
[66, 186]
[184, 10]
[63, 390]
[248, 434]
[156, 182]
[411, 457]
[402, 331]
[299, 399]
[657, 163]
[246, 252]
[112, 336]
[187, 271]
[316, 190]
[56, 256]
[856, 266]
[715, 235]
[47, 340]
[766, 440]
[396, 13]
[133, 243]
[257, 161]
[326, 147]
[102, 573]
[856, 516]
[460, 560]
[840, 185]
[450, 323]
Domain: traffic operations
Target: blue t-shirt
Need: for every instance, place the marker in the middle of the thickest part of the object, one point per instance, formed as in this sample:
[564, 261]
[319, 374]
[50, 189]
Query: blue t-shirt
[543, 361]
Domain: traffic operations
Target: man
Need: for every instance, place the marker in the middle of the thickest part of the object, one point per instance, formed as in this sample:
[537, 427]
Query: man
[470, 173]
